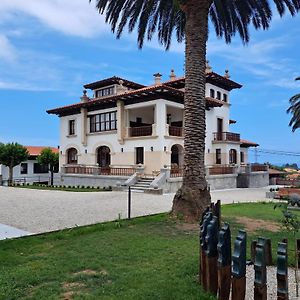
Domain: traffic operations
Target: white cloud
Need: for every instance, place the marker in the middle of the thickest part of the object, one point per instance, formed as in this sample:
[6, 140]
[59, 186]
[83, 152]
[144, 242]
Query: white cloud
[264, 59]
[71, 17]
[7, 50]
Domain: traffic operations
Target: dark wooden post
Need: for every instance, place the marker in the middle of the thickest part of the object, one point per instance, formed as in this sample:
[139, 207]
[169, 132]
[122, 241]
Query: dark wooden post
[203, 247]
[298, 252]
[253, 250]
[224, 263]
[212, 256]
[268, 249]
[282, 272]
[260, 286]
[239, 267]
[217, 212]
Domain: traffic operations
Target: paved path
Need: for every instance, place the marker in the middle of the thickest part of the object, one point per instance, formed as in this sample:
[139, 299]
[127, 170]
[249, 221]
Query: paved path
[39, 211]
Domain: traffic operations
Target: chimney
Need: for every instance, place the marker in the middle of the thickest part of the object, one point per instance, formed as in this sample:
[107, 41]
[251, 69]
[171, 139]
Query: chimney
[208, 68]
[157, 78]
[172, 75]
[84, 98]
[227, 75]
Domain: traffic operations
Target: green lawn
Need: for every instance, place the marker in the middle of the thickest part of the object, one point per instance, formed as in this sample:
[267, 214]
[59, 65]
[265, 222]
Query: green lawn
[262, 217]
[145, 258]
[63, 188]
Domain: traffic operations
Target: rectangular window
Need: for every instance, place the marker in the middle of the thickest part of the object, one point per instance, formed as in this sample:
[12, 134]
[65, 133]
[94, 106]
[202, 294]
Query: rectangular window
[71, 127]
[212, 93]
[105, 92]
[24, 168]
[139, 155]
[242, 157]
[103, 122]
[219, 125]
[225, 97]
[40, 169]
[218, 95]
[218, 157]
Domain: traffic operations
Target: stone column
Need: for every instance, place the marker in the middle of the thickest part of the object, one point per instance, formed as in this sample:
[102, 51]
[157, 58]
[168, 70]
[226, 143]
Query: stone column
[83, 118]
[121, 128]
[160, 117]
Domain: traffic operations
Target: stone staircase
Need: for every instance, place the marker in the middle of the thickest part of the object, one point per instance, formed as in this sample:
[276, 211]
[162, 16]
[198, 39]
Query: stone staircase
[143, 185]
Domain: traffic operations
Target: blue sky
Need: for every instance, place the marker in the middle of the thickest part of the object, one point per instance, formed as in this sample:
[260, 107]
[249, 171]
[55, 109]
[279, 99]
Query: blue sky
[50, 48]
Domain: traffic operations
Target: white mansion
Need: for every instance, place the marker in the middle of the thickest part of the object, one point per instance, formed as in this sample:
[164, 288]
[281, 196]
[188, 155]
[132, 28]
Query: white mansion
[128, 130]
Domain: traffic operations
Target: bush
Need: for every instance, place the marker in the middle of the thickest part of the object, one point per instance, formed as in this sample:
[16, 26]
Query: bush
[83, 187]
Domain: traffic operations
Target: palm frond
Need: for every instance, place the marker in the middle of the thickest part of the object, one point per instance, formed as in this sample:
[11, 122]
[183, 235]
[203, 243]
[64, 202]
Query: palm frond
[164, 17]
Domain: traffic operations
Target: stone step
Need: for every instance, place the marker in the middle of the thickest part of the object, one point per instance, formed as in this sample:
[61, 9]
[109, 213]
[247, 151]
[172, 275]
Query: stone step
[142, 185]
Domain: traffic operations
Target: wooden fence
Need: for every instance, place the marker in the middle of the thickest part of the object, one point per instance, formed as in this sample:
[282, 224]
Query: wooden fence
[223, 272]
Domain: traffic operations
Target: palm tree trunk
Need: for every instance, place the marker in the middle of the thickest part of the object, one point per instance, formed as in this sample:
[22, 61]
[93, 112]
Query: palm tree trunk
[193, 197]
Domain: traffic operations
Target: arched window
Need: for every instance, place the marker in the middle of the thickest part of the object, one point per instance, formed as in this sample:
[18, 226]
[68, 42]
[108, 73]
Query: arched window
[72, 157]
[176, 156]
[103, 156]
[212, 93]
[232, 156]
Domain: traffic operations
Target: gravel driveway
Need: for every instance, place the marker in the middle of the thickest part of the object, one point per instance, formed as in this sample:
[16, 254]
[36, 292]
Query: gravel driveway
[37, 211]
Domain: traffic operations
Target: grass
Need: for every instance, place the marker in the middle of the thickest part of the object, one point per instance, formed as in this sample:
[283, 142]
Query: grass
[257, 212]
[145, 258]
[63, 188]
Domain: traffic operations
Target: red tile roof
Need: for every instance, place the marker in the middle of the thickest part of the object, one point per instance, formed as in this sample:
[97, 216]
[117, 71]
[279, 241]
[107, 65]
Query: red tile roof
[36, 150]
[245, 143]
[113, 80]
[212, 77]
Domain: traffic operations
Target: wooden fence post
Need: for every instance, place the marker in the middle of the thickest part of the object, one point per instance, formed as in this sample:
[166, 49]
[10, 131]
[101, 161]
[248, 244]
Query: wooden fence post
[239, 267]
[253, 250]
[212, 256]
[260, 286]
[282, 272]
[268, 250]
[203, 247]
[298, 252]
[224, 263]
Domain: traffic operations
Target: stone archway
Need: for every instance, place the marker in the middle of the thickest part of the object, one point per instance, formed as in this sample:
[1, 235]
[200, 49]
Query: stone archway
[177, 156]
[72, 156]
[103, 156]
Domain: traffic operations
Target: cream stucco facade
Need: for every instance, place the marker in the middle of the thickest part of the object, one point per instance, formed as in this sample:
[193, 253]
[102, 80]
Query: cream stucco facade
[130, 125]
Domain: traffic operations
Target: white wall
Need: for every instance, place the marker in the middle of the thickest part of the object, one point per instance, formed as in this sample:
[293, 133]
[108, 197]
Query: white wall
[151, 111]
[29, 177]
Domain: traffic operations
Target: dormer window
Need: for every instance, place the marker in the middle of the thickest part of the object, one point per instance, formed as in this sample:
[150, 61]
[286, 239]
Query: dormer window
[212, 93]
[105, 92]
[218, 95]
[225, 98]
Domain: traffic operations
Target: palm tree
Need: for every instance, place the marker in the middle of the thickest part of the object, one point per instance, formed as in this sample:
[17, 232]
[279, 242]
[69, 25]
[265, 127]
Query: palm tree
[294, 109]
[188, 20]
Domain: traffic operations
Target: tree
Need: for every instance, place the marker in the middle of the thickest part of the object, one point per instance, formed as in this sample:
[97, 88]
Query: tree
[11, 155]
[189, 20]
[294, 109]
[49, 158]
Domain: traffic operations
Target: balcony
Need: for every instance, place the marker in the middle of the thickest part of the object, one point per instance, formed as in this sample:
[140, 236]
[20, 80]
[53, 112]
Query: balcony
[140, 131]
[175, 131]
[227, 136]
[91, 170]
[221, 170]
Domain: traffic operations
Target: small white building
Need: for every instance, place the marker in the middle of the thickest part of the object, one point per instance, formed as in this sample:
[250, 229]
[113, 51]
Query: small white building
[126, 125]
[29, 171]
